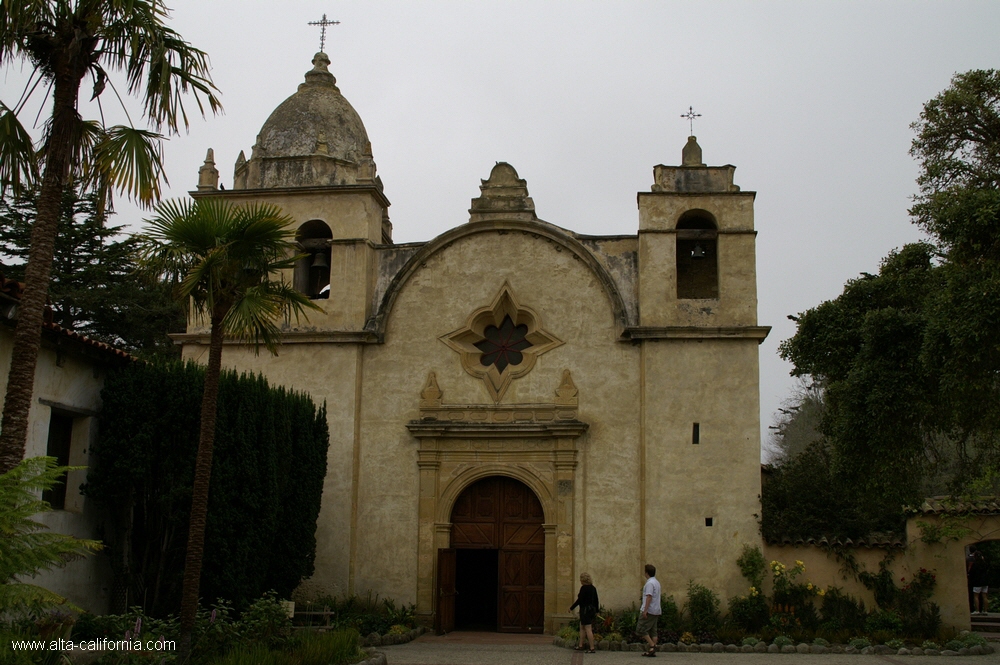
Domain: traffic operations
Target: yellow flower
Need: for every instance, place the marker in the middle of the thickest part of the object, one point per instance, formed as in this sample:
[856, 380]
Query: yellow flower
[821, 592]
[809, 586]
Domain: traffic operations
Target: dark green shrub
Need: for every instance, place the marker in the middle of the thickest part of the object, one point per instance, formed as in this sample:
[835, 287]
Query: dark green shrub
[883, 621]
[366, 614]
[924, 623]
[842, 612]
[670, 616]
[753, 567]
[268, 468]
[702, 608]
[266, 622]
[625, 621]
[729, 634]
[749, 613]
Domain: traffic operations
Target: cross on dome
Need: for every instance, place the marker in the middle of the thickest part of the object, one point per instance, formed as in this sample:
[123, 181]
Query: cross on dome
[323, 22]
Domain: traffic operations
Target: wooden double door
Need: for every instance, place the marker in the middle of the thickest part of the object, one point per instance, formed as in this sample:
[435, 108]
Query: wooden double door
[497, 557]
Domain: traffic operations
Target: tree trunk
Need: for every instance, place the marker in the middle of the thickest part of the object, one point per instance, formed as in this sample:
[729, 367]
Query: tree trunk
[31, 310]
[199, 495]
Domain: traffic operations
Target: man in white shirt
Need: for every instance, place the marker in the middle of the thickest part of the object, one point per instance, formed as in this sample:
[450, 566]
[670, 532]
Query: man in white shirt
[646, 625]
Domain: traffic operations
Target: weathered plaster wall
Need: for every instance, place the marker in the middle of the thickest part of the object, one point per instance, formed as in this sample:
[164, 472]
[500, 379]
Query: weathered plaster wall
[712, 383]
[945, 559]
[74, 384]
[436, 301]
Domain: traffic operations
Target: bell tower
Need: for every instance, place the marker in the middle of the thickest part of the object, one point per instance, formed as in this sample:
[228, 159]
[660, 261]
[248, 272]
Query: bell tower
[700, 371]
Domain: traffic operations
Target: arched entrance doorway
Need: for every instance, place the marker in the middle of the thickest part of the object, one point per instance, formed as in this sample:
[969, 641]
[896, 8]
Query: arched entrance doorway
[497, 557]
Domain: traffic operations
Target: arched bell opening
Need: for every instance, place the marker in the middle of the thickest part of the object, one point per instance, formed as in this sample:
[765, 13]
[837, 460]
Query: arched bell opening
[312, 271]
[697, 256]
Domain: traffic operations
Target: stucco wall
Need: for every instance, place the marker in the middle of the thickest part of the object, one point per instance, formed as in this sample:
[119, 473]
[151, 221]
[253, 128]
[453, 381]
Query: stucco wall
[712, 383]
[436, 301]
[73, 385]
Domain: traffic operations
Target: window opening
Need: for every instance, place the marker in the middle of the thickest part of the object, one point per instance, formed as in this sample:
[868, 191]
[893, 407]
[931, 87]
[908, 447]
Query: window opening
[696, 433]
[60, 438]
[503, 345]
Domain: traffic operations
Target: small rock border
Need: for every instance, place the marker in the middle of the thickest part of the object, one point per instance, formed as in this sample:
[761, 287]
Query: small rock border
[760, 647]
[376, 640]
[374, 658]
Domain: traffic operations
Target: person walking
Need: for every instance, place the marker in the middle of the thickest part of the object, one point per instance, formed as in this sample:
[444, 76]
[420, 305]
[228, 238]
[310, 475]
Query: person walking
[588, 603]
[645, 627]
[978, 571]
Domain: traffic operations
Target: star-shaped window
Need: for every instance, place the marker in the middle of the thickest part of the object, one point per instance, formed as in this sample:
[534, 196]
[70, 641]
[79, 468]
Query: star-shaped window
[503, 345]
[501, 342]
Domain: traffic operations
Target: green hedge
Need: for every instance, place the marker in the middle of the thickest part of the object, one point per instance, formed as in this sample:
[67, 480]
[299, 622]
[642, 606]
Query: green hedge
[267, 480]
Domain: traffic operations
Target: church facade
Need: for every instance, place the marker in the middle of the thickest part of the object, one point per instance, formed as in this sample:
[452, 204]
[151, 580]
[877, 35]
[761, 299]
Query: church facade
[511, 403]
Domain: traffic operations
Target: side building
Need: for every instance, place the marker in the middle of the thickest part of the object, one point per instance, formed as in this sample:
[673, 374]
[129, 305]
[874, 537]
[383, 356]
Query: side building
[63, 423]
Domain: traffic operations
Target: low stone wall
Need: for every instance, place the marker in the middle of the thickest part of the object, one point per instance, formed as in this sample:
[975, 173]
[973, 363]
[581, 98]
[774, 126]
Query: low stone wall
[376, 640]
[760, 647]
[374, 658]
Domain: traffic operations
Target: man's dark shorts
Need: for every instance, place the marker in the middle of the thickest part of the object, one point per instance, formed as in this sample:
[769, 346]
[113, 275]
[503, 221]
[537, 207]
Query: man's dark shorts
[647, 626]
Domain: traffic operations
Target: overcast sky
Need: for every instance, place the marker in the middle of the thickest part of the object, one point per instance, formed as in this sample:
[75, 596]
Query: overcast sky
[812, 102]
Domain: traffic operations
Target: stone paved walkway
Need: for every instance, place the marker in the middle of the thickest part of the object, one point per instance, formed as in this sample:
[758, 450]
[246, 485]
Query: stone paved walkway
[467, 648]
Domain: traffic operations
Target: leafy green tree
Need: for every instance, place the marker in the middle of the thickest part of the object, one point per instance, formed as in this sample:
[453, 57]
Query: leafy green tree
[958, 145]
[865, 349]
[26, 547]
[65, 41]
[228, 261]
[93, 288]
[908, 359]
[796, 426]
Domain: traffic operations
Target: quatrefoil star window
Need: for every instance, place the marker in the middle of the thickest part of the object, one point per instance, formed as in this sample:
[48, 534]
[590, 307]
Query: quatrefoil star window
[500, 342]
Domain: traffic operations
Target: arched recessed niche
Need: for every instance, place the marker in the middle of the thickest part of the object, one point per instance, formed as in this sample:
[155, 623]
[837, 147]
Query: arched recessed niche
[312, 272]
[697, 256]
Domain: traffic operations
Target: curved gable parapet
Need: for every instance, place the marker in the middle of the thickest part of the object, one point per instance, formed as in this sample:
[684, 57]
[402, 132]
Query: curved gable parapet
[624, 315]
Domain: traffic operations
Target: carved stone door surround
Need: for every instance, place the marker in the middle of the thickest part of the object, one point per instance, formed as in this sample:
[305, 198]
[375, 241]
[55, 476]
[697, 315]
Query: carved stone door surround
[536, 444]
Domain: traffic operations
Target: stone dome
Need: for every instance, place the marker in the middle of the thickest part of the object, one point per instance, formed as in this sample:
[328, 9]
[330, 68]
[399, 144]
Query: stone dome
[314, 138]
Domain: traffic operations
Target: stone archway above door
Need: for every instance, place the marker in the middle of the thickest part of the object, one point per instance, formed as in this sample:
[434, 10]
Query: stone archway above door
[536, 444]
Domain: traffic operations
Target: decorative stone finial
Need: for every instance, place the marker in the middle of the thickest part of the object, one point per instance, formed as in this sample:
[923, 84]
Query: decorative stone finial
[240, 172]
[208, 175]
[431, 395]
[567, 392]
[320, 73]
[691, 154]
[504, 196]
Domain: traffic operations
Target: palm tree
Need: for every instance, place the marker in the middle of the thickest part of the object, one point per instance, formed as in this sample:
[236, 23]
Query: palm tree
[65, 41]
[228, 260]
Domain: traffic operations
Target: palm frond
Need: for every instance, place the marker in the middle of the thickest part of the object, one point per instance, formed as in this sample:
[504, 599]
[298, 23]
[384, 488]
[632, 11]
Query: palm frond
[231, 258]
[158, 64]
[18, 158]
[132, 161]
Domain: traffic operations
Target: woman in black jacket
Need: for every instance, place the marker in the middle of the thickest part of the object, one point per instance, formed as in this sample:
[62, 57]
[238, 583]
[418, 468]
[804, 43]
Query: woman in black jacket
[587, 600]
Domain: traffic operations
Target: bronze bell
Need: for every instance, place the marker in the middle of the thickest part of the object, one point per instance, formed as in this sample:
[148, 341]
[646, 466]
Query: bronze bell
[319, 260]
[698, 252]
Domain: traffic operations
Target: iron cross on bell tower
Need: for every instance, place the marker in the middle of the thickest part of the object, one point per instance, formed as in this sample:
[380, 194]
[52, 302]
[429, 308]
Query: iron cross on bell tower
[690, 116]
[322, 34]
